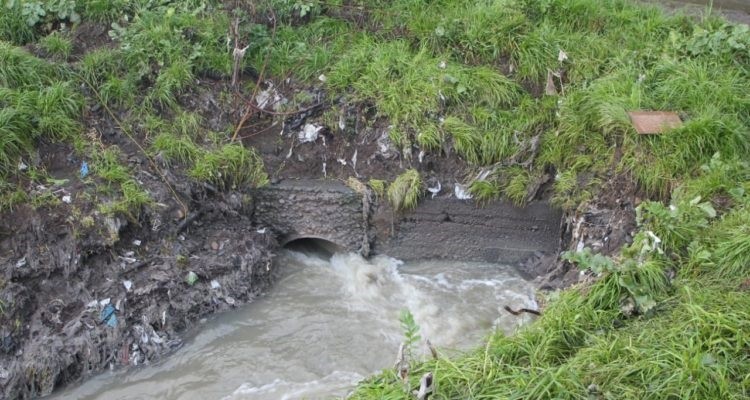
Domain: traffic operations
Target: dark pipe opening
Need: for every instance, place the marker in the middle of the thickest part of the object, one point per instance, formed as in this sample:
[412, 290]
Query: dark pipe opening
[313, 246]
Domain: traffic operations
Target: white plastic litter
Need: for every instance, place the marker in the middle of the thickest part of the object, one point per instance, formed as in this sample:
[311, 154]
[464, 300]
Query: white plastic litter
[462, 192]
[67, 199]
[270, 97]
[322, 78]
[128, 285]
[215, 284]
[309, 133]
[137, 243]
[435, 190]
[21, 263]
[104, 302]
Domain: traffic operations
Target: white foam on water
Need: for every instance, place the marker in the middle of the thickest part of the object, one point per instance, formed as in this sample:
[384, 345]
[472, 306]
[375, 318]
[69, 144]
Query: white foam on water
[337, 381]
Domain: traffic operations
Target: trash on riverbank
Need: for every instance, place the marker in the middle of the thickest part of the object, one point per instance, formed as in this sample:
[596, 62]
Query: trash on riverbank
[191, 278]
[654, 122]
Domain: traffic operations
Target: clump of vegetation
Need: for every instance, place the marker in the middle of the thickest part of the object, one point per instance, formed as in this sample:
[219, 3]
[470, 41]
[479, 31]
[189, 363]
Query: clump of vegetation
[404, 192]
[57, 45]
[127, 196]
[38, 102]
[229, 167]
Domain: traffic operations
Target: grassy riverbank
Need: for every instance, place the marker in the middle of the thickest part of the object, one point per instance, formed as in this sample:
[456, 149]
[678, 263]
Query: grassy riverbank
[522, 93]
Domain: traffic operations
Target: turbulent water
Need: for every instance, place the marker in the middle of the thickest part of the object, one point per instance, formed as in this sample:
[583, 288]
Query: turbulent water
[324, 326]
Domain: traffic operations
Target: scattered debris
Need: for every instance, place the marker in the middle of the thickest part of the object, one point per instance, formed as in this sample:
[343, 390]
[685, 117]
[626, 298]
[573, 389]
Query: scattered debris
[137, 243]
[521, 311]
[191, 278]
[462, 192]
[215, 284]
[21, 263]
[435, 190]
[84, 169]
[108, 317]
[322, 78]
[402, 364]
[262, 231]
[432, 348]
[425, 387]
[549, 88]
[562, 56]
[309, 133]
[67, 199]
[128, 285]
[654, 122]
[270, 97]
[22, 166]
[128, 258]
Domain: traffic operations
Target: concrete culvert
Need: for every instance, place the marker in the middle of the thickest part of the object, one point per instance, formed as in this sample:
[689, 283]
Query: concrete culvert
[312, 245]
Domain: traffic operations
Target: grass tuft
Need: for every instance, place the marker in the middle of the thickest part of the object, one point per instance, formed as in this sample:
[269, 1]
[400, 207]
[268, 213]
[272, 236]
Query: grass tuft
[406, 190]
[230, 167]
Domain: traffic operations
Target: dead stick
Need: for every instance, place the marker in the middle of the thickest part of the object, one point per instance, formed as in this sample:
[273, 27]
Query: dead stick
[522, 310]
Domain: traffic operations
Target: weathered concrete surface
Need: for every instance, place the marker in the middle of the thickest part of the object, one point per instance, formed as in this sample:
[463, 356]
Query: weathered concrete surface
[327, 210]
[449, 228]
[444, 227]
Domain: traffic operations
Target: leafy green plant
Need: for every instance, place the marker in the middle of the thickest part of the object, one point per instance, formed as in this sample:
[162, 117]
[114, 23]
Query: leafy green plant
[723, 41]
[677, 224]
[410, 329]
[35, 11]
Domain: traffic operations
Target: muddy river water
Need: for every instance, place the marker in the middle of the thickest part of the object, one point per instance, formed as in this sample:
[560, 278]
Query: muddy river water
[323, 326]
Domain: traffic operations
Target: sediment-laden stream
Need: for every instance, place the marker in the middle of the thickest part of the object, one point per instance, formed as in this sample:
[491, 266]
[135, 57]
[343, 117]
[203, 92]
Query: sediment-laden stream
[325, 325]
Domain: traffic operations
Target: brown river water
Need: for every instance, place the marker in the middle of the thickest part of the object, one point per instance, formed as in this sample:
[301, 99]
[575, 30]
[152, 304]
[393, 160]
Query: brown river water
[325, 325]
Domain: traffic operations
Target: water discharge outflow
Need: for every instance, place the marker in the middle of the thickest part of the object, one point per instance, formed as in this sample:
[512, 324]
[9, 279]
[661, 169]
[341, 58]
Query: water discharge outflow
[326, 324]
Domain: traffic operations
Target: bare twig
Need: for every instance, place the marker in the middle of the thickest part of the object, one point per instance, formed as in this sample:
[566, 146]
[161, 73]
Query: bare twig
[402, 364]
[522, 310]
[432, 348]
[249, 110]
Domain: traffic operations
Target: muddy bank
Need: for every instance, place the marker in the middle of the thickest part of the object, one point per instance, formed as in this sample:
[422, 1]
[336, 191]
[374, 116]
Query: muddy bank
[78, 300]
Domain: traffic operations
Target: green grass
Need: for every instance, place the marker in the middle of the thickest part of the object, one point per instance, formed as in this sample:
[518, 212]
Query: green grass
[57, 45]
[175, 148]
[406, 190]
[230, 167]
[38, 102]
[125, 196]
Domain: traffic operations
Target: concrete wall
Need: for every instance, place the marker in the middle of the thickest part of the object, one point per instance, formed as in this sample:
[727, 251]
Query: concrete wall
[444, 227]
[327, 210]
[449, 228]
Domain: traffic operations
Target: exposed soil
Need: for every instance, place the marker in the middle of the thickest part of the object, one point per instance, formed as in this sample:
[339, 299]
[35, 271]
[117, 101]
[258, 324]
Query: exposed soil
[59, 283]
